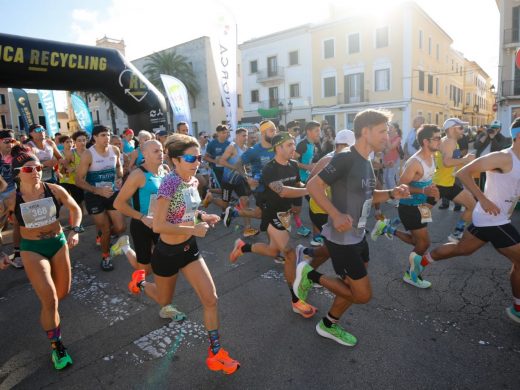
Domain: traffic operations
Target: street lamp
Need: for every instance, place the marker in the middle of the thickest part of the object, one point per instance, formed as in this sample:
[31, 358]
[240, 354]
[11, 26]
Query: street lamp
[285, 111]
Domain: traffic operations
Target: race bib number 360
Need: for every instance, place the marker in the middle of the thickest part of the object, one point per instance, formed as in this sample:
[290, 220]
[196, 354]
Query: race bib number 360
[41, 212]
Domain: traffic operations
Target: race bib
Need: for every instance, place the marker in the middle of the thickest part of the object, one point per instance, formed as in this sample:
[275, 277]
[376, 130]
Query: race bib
[426, 213]
[192, 201]
[285, 218]
[105, 184]
[365, 212]
[38, 213]
[152, 204]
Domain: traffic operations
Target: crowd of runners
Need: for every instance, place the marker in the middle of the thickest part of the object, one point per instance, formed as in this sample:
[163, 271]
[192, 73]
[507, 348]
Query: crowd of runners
[162, 184]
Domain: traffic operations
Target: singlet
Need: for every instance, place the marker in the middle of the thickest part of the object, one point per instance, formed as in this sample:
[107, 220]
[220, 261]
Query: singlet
[6, 170]
[503, 189]
[258, 157]
[39, 212]
[127, 147]
[145, 198]
[140, 158]
[445, 176]
[230, 175]
[102, 170]
[70, 178]
[45, 154]
[425, 181]
[183, 196]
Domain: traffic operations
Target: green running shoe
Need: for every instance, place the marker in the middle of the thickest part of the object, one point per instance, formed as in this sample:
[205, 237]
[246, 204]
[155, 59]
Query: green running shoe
[302, 284]
[419, 282]
[336, 333]
[60, 358]
[379, 229]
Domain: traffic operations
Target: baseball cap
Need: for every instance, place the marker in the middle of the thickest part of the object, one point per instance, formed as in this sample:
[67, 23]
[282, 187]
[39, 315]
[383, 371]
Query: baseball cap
[161, 133]
[453, 122]
[128, 131]
[495, 125]
[280, 138]
[6, 134]
[345, 137]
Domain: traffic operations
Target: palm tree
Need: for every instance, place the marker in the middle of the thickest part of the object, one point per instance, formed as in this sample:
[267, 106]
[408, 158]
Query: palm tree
[170, 63]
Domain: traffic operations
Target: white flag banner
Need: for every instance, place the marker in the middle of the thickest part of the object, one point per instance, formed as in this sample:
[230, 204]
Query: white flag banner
[178, 98]
[224, 47]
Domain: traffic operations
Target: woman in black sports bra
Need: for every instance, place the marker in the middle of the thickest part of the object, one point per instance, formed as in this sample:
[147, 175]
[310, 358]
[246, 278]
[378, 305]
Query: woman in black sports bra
[43, 247]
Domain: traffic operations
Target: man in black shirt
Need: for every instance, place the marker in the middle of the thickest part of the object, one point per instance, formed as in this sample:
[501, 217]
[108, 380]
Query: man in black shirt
[282, 184]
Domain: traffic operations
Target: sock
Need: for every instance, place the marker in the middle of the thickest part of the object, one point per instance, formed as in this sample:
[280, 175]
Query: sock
[294, 298]
[297, 221]
[516, 304]
[460, 225]
[389, 229]
[314, 276]
[141, 285]
[426, 259]
[105, 255]
[54, 336]
[214, 342]
[125, 249]
[329, 320]
[246, 248]
[309, 252]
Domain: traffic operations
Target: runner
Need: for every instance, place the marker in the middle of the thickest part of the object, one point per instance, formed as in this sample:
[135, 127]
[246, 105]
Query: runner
[491, 216]
[179, 223]
[46, 151]
[448, 159]
[70, 163]
[44, 248]
[128, 141]
[215, 149]
[98, 170]
[352, 182]
[415, 212]
[136, 157]
[282, 184]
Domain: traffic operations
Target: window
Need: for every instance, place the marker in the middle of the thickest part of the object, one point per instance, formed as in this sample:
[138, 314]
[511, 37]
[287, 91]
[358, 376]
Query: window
[353, 43]
[382, 80]
[421, 80]
[273, 97]
[328, 48]
[437, 87]
[2, 98]
[272, 66]
[195, 127]
[430, 50]
[354, 88]
[381, 37]
[239, 100]
[468, 99]
[430, 84]
[255, 96]
[420, 39]
[294, 90]
[329, 86]
[39, 107]
[253, 66]
[350, 120]
[238, 70]
[331, 120]
[4, 122]
[293, 58]
[437, 55]
[41, 120]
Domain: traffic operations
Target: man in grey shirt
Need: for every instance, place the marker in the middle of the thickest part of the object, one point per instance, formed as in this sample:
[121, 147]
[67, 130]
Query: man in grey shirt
[351, 179]
[411, 146]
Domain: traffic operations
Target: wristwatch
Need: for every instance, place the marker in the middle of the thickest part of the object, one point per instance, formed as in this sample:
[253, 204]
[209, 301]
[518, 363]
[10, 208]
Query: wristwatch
[390, 194]
[77, 229]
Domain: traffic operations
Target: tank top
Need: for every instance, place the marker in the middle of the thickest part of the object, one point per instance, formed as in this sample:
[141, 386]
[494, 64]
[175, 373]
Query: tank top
[445, 176]
[145, 198]
[423, 182]
[503, 189]
[230, 175]
[6, 171]
[43, 155]
[140, 158]
[102, 170]
[70, 178]
[39, 212]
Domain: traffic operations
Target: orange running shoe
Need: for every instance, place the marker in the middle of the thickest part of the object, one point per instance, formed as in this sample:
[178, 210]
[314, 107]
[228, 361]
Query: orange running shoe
[237, 250]
[221, 362]
[207, 200]
[137, 277]
[304, 309]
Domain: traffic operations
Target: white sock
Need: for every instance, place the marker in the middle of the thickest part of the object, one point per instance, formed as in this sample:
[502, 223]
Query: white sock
[125, 249]
[429, 257]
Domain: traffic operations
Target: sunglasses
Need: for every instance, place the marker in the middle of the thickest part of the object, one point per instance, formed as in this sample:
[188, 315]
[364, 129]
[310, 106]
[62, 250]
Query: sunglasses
[39, 130]
[435, 138]
[8, 141]
[190, 158]
[30, 169]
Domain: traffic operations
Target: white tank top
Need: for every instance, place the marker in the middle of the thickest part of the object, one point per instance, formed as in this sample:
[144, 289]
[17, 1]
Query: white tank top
[428, 170]
[503, 189]
[43, 155]
[102, 170]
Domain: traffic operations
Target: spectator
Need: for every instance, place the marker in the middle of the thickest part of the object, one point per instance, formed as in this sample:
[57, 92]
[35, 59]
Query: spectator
[391, 158]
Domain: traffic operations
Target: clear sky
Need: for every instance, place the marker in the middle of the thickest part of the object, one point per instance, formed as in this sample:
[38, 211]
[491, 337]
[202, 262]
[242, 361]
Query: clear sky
[153, 25]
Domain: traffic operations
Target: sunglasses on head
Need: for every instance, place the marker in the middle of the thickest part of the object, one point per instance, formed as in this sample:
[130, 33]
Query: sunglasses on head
[190, 158]
[30, 169]
[8, 141]
[38, 129]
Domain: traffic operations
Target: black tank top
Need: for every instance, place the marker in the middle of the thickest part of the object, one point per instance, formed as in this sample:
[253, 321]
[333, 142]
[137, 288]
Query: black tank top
[38, 212]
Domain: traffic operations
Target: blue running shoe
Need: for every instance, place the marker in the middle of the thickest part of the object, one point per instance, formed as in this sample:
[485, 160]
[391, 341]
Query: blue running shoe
[303, 231]
[415, 266]
[513, 314]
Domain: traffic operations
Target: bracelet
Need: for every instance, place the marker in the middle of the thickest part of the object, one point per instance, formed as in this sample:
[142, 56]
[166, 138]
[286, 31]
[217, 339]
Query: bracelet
[390, 194]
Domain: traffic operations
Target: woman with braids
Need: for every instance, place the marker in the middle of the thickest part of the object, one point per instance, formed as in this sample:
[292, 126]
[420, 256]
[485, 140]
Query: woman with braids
[43, 247]
[178, 221]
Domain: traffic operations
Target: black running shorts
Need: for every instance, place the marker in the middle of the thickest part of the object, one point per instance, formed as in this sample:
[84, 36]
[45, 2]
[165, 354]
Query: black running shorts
[168, 259]
[349, 260]
[502, 236]
[410, 217]
[450, 193]
[144, 239]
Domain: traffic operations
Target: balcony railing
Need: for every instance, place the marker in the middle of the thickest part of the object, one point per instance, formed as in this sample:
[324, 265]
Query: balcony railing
[511, 87]
[511, 36]
[270, 75]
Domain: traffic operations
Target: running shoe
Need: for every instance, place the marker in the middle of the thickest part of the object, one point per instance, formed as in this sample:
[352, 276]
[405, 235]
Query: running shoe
[106, 264]
[379, 215]
[171, 312]
[137, 277]
[15, 262]
[279, 259]
[303, 231]
[302, 284]
[228, 216]
[60, 358]
[455, 236]
[250, 232]
[221, 362]
[303, 309]
[300, 256]
[237, 250]
[379, 229]
[117, 248]
[207, 200]
[418, 282]
[318, 240]
[513, 314]
[336, 333]
[457, 207]
[416, 268]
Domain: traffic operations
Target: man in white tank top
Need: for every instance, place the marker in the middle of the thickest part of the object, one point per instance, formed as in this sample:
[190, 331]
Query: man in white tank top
[492, 215]
[415, 212]
[99, 170]
[46, 151]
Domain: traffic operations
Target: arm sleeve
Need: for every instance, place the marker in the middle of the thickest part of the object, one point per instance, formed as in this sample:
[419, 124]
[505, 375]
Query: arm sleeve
[337, 167]
[168, 187]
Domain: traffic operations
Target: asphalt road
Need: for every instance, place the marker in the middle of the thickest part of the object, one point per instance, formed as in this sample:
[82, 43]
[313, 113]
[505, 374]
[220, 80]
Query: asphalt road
[454, 335]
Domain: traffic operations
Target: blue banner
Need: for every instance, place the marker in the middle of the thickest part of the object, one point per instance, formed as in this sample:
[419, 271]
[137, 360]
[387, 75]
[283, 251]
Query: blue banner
[82, 113]
[178, 97]
[24, 108]
[49, 109]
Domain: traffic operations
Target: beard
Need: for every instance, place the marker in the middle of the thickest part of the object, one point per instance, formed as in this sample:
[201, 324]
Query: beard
[268, 139]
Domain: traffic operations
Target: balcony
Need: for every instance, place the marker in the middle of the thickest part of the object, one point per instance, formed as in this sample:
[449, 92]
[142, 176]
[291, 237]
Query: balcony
[270, 76]
[510, 88]
[359, 97]
[511, 37]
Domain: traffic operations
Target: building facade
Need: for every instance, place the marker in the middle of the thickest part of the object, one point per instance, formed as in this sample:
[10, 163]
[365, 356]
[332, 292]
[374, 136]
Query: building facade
[5, 112]
[478, 100]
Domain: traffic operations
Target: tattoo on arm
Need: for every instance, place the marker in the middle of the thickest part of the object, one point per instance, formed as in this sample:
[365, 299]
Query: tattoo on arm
[276, 186]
